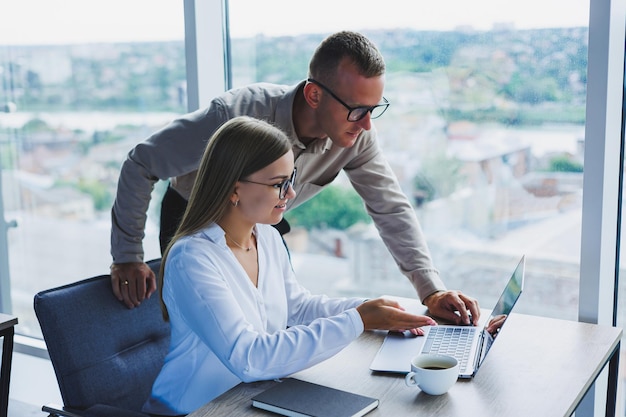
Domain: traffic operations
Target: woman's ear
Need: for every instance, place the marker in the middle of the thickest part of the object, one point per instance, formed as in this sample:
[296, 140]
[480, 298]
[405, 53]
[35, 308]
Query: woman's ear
[311, 94]
[234, 197]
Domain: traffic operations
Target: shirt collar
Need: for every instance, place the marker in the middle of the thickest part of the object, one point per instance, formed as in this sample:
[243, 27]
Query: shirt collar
[284, 111]
[216, 234]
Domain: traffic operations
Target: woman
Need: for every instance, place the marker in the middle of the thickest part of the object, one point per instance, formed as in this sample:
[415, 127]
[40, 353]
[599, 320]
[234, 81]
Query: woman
[227, 286]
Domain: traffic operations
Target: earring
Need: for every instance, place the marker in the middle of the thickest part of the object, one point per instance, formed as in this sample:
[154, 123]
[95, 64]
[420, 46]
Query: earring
[236, 203]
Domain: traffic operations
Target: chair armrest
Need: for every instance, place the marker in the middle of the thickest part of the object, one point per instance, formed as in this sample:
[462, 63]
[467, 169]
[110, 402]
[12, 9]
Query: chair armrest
[56, 410]
[98, 410]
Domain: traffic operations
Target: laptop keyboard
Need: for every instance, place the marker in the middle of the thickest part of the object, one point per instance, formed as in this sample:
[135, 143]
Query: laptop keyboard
[453, 341]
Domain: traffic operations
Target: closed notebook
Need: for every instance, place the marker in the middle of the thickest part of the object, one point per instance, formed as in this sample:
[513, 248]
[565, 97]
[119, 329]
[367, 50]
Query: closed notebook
[297, 398]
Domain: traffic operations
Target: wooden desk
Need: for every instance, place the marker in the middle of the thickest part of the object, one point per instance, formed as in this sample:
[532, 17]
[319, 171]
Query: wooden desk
[538, 367]
[7, 331]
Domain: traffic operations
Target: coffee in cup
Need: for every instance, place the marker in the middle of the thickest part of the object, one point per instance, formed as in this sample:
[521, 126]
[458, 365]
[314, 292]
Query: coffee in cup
[433, 374]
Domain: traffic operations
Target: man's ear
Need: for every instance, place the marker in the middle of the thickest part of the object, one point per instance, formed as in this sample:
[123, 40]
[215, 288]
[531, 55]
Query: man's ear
[311, 94]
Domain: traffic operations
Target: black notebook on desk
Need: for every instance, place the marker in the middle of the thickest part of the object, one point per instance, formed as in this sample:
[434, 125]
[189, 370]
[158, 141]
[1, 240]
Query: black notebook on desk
[297, 398]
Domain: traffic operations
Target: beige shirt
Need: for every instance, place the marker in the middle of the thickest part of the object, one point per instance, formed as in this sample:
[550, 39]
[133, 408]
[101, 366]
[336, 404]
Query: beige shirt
[174, 153]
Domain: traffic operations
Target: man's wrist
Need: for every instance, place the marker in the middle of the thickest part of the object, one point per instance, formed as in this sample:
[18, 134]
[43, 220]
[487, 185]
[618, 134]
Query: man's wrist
[428, 298]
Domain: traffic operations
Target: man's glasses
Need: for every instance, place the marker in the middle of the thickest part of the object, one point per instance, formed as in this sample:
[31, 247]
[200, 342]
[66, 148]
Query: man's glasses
[356, 113]
[283, 186]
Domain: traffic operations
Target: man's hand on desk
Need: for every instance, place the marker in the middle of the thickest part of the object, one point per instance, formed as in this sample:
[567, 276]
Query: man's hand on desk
[384, 314]
[453, 306]
[132, 282]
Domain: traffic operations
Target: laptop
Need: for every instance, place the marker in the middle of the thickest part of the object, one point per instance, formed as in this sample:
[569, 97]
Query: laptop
[469, 344]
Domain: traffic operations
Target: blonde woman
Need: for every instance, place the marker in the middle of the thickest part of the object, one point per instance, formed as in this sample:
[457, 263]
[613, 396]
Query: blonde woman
[237, 312]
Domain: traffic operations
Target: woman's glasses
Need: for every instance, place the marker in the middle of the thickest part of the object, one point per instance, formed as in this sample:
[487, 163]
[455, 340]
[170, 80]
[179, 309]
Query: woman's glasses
[283, 186]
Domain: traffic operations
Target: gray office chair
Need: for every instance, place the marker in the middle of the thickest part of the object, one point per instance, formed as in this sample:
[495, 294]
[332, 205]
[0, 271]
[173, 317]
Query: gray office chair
[105, 356]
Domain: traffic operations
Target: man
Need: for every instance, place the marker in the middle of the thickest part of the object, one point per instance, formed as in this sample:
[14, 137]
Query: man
[328, 119]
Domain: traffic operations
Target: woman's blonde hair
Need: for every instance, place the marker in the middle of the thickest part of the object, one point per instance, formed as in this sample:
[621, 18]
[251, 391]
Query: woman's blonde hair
[240, 147]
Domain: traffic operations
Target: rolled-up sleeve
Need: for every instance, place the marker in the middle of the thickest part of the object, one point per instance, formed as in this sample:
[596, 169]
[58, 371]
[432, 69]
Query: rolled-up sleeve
[394, 217]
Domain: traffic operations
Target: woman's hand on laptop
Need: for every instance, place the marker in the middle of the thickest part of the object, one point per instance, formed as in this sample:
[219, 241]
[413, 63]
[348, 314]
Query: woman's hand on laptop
[453, 306]
[384, 314]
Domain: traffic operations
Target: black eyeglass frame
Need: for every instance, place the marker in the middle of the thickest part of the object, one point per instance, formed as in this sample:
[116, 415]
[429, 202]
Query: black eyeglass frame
[282, 187]
[364, 109]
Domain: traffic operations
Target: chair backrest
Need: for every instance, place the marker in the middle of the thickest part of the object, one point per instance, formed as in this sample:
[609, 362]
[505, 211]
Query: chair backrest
[101, 351]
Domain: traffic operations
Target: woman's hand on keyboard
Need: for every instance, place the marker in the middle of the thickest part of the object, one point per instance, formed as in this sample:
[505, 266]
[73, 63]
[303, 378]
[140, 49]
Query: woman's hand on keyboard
[383, 314]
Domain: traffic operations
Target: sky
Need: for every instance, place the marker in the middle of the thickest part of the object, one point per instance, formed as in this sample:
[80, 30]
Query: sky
[83, 21]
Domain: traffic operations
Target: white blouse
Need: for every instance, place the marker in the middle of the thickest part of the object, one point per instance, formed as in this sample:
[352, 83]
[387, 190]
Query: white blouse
[224, 330]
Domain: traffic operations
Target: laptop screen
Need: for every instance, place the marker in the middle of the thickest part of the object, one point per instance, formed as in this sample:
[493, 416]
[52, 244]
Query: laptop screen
[503, 308]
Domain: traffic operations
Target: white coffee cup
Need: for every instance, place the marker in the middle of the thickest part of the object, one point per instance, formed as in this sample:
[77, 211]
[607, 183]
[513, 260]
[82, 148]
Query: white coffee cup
[433, 374]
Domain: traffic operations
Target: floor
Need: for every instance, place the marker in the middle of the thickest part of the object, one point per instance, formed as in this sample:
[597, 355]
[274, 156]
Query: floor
[32, 385]
[20, 409]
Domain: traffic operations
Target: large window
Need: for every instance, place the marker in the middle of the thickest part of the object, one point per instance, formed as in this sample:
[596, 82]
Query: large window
[485, 132]
[81, 83]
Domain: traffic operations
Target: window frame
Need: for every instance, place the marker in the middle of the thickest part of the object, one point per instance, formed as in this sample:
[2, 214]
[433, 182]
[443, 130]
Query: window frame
[601, 216]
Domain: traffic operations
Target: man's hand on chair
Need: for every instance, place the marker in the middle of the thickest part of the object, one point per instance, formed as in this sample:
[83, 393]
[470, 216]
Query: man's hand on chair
[132, 282]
